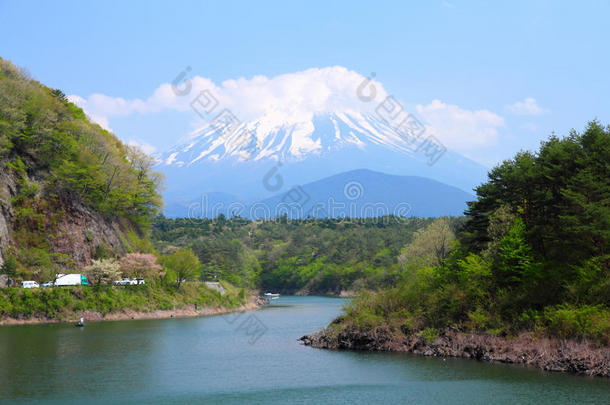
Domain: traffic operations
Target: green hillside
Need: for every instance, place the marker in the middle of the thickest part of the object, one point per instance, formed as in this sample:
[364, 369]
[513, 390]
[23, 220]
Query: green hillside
[70, 191]
[533, 255]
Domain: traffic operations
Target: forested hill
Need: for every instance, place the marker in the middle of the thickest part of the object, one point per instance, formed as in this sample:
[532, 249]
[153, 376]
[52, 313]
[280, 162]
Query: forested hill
[70, 191]
[308, 256]
[534, 255]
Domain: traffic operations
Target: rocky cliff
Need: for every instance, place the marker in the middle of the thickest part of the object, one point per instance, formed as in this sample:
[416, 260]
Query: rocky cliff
[8, 190]
[76, 230]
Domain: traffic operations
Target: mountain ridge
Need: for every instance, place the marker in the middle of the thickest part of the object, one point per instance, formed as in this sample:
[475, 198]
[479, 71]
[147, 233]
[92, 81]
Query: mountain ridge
[290, 140]
[258, 164]
[358, 193]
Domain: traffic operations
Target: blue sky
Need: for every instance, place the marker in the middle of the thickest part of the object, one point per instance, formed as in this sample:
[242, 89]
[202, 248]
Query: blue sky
[470, 56]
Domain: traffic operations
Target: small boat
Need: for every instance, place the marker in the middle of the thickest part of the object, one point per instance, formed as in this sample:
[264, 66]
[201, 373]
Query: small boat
[275, 298]
[80, 323]
[272, 295]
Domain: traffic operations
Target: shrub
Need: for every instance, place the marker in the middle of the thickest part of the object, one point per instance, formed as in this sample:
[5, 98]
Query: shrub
[429, 334]
[585, 322]
[479, 319]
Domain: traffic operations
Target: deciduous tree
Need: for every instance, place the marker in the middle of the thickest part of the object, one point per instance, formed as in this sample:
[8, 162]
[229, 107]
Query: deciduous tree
[184, 264]
[103, 271]
[140, 265]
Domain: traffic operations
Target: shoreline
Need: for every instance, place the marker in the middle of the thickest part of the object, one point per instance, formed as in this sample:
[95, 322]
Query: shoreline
[129, 315]
[549, 354]
[341, 294]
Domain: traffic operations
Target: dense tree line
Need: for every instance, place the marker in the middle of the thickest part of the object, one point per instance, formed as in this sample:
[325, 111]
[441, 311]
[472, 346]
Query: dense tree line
[556, 208]
[309, 255]
[533, 254]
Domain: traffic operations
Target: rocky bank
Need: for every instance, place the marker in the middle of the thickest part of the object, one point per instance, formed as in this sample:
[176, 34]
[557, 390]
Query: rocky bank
[548, 354]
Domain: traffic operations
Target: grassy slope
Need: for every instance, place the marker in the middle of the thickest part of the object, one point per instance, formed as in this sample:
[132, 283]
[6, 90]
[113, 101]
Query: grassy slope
[62, 303]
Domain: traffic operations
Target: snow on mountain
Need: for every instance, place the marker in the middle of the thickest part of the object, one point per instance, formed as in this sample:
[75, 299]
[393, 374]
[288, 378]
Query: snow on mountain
[255, 160]
[270, 138]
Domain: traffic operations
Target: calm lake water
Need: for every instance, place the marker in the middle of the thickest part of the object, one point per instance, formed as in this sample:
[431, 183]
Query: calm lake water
[254, 358]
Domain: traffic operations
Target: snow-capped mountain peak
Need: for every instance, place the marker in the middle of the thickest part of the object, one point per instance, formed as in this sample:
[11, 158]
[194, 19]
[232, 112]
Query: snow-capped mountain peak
[277, 137]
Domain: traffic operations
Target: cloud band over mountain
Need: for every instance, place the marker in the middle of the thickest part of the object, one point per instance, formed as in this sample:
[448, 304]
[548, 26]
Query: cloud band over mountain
[296, 97]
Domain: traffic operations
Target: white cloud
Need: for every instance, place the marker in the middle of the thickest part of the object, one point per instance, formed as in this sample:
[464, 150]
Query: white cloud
[144, 146]
[528, 106]
[460, 129]
[78, 100]
[289, 96]
[295, 97]
[101, 120]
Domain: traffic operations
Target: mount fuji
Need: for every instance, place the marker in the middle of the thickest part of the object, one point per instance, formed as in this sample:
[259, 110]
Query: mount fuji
[256, 160]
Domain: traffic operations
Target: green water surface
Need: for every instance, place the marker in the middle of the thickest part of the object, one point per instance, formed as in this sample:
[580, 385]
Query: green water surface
[254, 358]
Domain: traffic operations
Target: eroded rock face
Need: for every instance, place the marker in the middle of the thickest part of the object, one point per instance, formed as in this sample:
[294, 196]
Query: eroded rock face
[78, 233]
[7, 191]
[547, 354]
